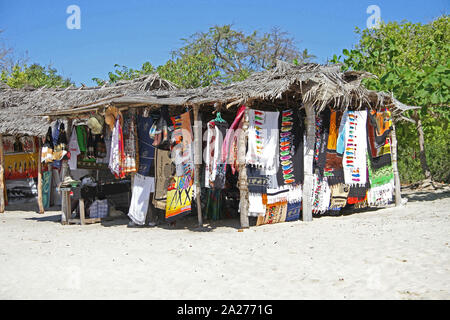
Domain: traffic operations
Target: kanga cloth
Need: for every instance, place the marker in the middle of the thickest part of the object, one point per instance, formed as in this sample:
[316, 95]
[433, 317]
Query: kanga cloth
[354, 160]
[179, 197]
[182, 146]
[117, 155]
[163, 172]
[378, 142]
[214, 168]
[290, 170]
[333, 160]
[275, 213]
[145, 146]
[230, 143]
[263, 140]
[131, 161]
[46, 188]
[142, 187]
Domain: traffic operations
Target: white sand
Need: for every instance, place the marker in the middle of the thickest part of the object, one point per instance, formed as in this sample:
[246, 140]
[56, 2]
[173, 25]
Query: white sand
[396, 253]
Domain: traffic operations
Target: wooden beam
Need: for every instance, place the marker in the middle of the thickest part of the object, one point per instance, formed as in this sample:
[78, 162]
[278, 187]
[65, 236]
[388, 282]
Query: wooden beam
[39, 186]
[197, 162]
[2, 177]
[308, 162]
[398, 195]
[243, 182]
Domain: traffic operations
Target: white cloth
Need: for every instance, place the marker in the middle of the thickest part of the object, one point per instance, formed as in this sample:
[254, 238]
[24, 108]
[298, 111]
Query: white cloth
[263, 140]
[142, 187]
[212, 152]
[321, 195]
[114, 159]
[74, 150]
[354, 161]
[381, 195]
[255, 205]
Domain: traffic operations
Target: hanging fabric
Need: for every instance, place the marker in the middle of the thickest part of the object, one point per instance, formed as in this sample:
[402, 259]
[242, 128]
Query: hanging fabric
[74, 150]
[161, 130]
[230, 143]
[321, 195]
[214, 168]
[145, 147]
[182, 147]
[142, 187]
[163, 172]
[117, 155]
[263, 140]
[378, 130]
[47, 147]
[333, 163]
[61, 148]
[131, 158]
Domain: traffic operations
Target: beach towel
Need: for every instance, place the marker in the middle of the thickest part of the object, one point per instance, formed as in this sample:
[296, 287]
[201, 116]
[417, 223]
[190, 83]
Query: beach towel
[333, 160]
[179, 197]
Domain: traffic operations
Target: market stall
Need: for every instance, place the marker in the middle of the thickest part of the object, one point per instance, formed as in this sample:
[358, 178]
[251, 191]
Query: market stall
[283, 145]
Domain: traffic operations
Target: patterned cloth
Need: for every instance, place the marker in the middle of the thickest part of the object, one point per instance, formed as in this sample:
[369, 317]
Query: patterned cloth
[179, 197]
[117, 155]
[293, 211]
[99, 209]
[145, 147]
[230, 143]
[333, 162]
[263, 140]
[378, 130]
[214, 168]
[130, 161]
[275, 213]
[321, 195]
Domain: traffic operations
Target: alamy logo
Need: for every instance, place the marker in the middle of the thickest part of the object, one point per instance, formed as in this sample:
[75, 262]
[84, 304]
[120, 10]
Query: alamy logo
[374, 20]
[74, 20]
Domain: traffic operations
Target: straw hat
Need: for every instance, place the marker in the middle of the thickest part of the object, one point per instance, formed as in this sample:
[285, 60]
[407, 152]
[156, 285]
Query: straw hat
[111, 114]
[95, 123]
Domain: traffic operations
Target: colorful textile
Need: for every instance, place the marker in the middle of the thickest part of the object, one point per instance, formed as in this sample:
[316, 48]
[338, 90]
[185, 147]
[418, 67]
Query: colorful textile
[117, 155]
[229, 147]
[257, 181]
[214, 204]
[290, 170]
[179, 197]
[275, 213]
[333, 161]
[378, 130]
[354, 161]
[214, 168]
[142, 187]
[321, 195]
[182, 146]
[263, 140]
[47, 147]
[130, 144]
[321, 140]
[381, 190]
[293, 211]
[339, 194]
[145, 147]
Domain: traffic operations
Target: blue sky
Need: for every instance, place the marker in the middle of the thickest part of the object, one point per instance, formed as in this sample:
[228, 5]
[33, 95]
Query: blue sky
[131, 32]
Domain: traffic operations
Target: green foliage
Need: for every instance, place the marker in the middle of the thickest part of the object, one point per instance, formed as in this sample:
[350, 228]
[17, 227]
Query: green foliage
[34, 75]
[125, 73]
[411, 61]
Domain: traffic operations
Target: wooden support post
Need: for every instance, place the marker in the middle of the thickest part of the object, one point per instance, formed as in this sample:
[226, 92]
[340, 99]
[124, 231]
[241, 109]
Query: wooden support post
[82, 211]
[198, 162]
[2, 177]
[398, 195]
[243, 182]
[39, 186]
[308, 162]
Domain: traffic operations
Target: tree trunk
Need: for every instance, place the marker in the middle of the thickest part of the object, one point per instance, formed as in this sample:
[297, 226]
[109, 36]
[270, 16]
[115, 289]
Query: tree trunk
[198, 162]
[308, 163]
[398, 195]
[242, 182]
[422, 156]
[2, 177]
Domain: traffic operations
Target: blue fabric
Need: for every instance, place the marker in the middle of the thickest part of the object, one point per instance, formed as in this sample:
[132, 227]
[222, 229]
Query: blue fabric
[340, 144]
[293, 211]
[146, 150]
[55, 134]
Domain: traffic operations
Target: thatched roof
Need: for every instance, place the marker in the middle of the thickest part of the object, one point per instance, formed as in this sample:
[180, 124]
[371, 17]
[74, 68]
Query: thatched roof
[19, 108]
[323, 85]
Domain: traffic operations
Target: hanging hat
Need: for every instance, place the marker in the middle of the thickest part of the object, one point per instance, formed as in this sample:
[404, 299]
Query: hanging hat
[95, 123]
[111, 114]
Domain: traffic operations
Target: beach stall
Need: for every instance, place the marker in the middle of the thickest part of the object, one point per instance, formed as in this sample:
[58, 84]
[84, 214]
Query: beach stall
[27, 167]
[285, 144]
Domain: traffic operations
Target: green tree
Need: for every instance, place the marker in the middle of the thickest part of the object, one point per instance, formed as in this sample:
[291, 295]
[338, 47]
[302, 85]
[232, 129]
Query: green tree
[411, 60]
[34, 75]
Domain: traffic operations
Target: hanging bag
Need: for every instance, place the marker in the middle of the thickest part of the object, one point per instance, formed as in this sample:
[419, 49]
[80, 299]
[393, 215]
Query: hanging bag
[160, 130]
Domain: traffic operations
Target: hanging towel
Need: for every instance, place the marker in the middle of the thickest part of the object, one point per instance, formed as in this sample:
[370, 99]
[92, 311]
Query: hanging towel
[333, 162]
[214, 168]
[142, 187]
[354, 160]
[263, 140]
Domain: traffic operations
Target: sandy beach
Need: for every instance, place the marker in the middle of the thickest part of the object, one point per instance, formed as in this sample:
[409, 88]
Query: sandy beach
[391, 253]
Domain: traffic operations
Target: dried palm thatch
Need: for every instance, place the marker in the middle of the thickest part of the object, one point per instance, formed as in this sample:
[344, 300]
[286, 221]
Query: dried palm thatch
[323, 85]
[19, 108]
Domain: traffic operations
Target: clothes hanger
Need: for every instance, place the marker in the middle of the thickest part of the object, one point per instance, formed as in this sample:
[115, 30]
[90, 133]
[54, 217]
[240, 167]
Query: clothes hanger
[219, 117]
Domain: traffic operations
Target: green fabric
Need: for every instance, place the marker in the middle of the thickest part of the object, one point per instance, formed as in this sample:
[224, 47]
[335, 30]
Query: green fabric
[380, 176]
[81, 137]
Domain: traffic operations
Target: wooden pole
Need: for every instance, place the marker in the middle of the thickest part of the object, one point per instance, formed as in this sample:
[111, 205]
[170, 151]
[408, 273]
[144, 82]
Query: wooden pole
[39, 186]
[197, 162]
[308, 162]
[2, 177]
[398, 195]
[243, 182]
